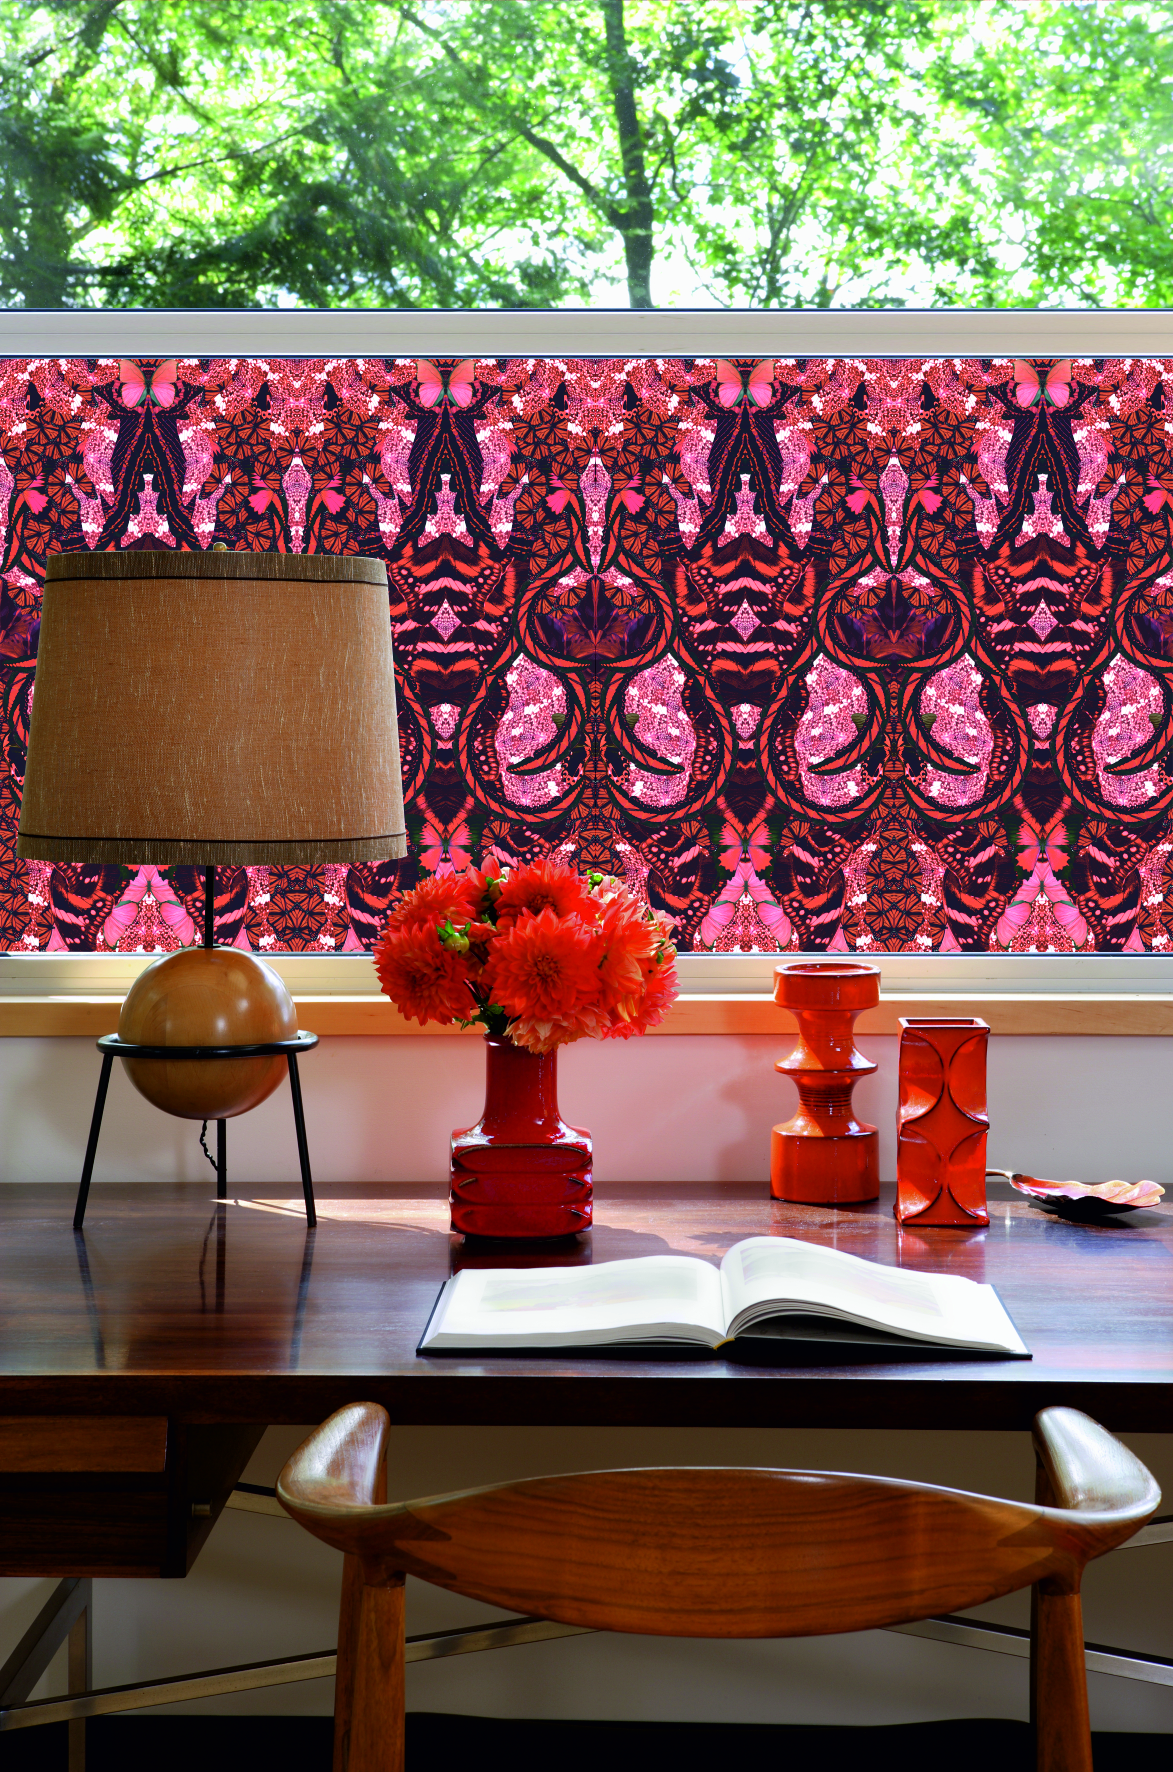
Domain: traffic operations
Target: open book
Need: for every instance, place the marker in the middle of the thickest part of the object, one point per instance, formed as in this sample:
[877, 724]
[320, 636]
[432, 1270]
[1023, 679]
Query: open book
[767, 1293]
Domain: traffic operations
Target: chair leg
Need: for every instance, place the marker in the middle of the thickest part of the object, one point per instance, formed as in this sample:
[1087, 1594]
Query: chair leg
[348, 1611]
[1063, 1737]
[376, 1722]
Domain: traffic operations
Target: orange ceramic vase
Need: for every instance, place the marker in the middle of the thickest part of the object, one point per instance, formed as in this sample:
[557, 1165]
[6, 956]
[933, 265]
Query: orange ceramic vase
[941, 1123]
[824, 1156]
[521, 1171]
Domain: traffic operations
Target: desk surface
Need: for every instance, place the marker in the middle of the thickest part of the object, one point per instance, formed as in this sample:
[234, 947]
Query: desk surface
[171, 1306]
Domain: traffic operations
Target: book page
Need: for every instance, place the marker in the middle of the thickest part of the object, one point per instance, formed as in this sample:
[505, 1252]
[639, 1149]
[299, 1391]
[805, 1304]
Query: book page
[650, 1297]
[765, 1276]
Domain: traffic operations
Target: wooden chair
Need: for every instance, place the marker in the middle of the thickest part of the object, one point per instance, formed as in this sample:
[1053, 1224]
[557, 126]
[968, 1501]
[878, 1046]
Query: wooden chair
[714, 1553]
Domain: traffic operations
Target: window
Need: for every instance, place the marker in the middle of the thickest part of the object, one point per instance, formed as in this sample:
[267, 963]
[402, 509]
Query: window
[824, 645]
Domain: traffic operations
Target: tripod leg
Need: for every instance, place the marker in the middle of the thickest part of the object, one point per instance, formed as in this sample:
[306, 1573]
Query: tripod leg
[221, 1159]
[303, 1149]
[83, 1192]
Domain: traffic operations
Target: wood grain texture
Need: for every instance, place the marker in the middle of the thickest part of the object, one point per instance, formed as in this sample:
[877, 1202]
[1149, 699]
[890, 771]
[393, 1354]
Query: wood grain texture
[719, 1553]
[700, 1014]
[349, 1607]
[1087, 1469]
[366, 1473]
[85, 1511]
[207, 997]
[296, 1329]
[1063, 1741]
[342, 1465]
[80, 1443]
[376, 1720]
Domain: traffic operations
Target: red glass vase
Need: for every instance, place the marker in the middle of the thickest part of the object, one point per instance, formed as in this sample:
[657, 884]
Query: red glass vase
[521, 1171]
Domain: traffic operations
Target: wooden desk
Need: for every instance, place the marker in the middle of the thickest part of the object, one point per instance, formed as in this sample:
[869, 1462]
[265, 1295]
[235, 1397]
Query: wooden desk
[210, 1325]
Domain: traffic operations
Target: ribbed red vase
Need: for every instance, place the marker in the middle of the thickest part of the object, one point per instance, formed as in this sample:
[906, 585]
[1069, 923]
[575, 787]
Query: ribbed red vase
[521, 1171]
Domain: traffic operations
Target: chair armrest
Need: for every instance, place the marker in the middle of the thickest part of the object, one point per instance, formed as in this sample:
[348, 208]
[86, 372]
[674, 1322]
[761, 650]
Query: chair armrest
[340, 1466]
[1086, 1471]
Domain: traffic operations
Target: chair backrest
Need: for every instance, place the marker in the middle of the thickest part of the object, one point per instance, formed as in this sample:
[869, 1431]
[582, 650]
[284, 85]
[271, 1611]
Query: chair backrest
[712, 1552]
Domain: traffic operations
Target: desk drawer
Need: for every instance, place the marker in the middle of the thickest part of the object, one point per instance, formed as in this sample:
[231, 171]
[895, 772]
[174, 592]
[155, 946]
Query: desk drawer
[63, 1531]
[83, 1443]
[112, 1495]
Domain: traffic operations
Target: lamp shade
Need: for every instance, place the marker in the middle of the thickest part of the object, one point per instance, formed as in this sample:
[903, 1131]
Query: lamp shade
[211, 708]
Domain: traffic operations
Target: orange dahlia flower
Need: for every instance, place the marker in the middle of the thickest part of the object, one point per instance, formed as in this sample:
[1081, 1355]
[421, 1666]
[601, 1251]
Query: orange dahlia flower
[423, 978]
[544, 886]
[660, 987]
[483, 885]
[626, 939]
[543, 971]
[434, 900]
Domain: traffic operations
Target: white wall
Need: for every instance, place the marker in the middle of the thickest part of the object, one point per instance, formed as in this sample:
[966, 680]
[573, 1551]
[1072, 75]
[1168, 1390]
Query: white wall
[665, 1108]
[662, 1109]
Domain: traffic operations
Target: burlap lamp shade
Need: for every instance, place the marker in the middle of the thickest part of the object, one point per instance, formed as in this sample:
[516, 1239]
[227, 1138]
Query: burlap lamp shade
[212, 708]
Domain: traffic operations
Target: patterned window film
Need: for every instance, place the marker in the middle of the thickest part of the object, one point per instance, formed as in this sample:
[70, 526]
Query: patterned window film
[821, 654]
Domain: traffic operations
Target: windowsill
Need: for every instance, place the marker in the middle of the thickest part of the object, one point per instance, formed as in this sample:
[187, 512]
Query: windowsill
[372, 1016]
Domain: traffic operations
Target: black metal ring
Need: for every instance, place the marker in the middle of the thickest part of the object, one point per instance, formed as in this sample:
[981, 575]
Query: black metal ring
[301, 1042]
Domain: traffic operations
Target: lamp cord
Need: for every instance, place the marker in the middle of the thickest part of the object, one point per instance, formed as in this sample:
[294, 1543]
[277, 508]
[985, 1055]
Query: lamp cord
[204, 1146]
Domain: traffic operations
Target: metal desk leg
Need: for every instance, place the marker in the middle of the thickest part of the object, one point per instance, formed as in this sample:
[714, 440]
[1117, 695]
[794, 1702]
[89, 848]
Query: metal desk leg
[303, 1149]
[83, 1192]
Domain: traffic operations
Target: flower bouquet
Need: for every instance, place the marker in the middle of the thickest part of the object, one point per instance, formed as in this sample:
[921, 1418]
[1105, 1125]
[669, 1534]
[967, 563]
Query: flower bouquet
[539, 956]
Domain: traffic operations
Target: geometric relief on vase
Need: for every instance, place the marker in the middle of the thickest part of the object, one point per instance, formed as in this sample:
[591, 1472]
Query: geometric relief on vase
[941, 1122]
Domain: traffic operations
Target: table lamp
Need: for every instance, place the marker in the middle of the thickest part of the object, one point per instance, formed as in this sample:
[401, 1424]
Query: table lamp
[212, 708]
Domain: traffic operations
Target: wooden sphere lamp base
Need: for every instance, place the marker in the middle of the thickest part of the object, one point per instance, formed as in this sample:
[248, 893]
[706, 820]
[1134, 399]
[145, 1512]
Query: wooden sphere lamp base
[205, 1034]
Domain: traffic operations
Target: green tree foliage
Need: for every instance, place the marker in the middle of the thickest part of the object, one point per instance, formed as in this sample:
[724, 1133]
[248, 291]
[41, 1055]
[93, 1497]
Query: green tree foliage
[1069, 127]
[405, 153]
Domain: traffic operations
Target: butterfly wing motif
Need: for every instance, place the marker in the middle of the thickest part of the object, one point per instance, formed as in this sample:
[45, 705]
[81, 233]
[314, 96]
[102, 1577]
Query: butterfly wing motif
[755, 386]
[173, 911]
[153, 387]
[460, 382]
[1055, 389]
[454, 385]
[132, 383]
[162, 386]
[730, 386]
[124, 913]
[431, 382]
[760, 385]
[1026, 383]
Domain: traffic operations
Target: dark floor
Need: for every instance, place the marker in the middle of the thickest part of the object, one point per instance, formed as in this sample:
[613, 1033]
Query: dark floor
[486, 1744]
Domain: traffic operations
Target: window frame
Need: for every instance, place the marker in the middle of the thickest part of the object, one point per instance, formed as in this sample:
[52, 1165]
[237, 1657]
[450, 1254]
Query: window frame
[297, 332]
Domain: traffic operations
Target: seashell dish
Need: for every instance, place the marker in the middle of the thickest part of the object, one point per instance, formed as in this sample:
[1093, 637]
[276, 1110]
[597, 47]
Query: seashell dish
[1082, 1200]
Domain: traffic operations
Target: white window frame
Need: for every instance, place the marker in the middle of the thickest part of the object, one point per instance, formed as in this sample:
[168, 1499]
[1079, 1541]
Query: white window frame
[594, 332]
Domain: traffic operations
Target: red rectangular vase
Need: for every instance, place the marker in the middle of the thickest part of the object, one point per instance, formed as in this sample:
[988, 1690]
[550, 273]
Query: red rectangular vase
[521, 1171]
[941, 1122]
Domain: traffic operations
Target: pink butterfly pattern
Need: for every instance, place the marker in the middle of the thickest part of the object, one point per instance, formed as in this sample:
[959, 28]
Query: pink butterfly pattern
[455, 385]
[156, 387]
[753, 386]
[736, 579]
[1053, 390]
